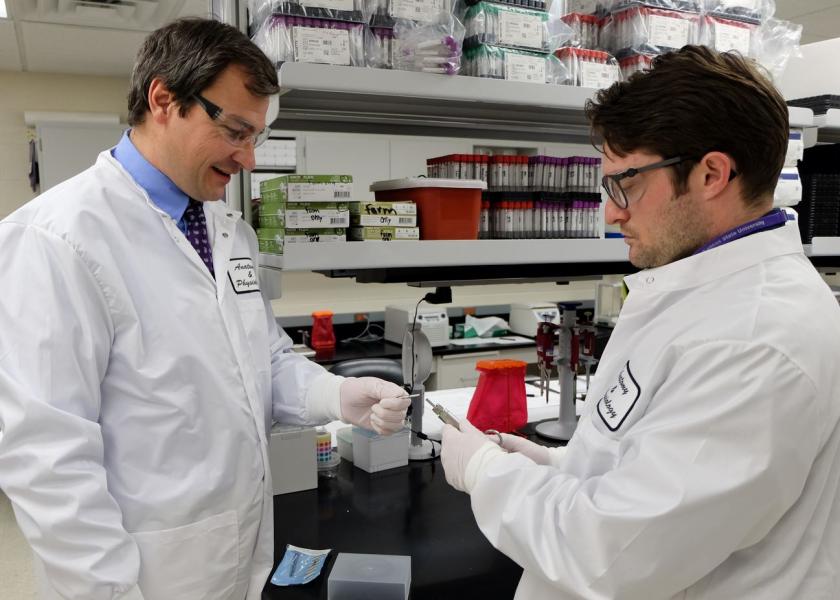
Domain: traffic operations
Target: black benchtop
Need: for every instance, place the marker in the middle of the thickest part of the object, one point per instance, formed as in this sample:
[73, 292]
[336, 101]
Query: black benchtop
[409, 511]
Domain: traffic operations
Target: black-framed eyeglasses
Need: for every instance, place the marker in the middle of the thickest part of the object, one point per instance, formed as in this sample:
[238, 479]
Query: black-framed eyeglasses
[617, 193]
[236, 131]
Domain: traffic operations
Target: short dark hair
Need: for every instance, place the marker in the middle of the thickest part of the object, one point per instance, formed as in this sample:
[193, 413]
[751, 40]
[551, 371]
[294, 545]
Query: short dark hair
[188, 55]
[694, 101]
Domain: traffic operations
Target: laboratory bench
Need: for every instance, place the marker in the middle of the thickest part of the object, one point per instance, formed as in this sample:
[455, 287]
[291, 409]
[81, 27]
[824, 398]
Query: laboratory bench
[385, 349]
[409, 511]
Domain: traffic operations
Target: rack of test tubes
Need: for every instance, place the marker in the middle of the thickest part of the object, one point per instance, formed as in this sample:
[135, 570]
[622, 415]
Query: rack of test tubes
[530, 197]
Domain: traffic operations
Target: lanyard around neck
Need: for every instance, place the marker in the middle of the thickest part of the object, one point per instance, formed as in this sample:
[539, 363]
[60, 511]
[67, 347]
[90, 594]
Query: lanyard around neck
[772, 220]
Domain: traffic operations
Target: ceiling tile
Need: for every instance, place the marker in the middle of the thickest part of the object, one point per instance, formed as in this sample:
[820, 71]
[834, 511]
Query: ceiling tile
[823, 24]
[9, 54]
[195, 8]
[786, 9]
[81, 50]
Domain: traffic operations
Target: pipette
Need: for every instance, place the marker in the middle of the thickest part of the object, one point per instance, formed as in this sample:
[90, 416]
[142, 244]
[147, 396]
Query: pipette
[444, 415]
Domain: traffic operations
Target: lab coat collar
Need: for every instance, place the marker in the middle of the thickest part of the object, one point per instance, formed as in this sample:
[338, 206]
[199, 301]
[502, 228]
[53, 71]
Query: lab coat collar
[221, 225]
[724, 260]
[161, 190]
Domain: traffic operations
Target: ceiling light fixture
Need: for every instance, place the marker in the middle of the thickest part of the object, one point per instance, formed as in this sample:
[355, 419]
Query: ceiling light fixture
[3, 12]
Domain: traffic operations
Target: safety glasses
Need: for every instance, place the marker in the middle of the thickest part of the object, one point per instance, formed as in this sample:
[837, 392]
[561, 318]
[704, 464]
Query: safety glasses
[621, 197]
[237, 132]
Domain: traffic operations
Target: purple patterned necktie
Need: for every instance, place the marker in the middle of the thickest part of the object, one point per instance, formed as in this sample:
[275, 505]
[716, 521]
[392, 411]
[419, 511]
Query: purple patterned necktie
[197, 232]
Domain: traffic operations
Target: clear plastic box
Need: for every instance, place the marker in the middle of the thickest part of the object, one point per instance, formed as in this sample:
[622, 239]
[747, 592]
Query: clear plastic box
[369, 576]
[373, 452]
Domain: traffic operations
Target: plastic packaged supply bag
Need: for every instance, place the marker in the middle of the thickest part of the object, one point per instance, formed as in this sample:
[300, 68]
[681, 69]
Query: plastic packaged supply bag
[299, 566]
[429, 47]
[499, 401]
[512, 64]
[779, 41]
[588, 68]
[485, 327]
[647, 30]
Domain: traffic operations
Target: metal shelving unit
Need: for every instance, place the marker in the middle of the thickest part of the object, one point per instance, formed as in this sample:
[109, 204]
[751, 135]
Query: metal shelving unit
[465, 261]
[317, 97]
[359, 100]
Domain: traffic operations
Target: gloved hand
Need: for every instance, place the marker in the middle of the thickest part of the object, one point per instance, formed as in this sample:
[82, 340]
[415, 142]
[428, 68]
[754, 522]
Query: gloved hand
[373, 403]
[458, 448]
[539, 454]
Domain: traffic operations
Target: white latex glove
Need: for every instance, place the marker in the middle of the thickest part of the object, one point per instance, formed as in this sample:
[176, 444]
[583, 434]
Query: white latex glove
[373, 403]
[459, 448]
[539, 454]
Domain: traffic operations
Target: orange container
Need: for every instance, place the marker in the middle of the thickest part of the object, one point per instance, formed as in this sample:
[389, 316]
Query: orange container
[448, 209]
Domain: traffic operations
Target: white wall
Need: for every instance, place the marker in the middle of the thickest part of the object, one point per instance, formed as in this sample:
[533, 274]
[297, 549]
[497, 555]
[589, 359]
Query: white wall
[814, 73]
[21, 92]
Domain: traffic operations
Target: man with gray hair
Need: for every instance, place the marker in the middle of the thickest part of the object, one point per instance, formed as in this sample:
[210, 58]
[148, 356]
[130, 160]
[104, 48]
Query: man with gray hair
[140, 367]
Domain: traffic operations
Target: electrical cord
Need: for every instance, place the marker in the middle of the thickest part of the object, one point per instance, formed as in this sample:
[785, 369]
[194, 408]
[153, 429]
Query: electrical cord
[366, 335]
[413, 326]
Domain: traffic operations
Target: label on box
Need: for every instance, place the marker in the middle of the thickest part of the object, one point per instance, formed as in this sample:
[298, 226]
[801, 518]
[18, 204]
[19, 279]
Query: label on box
[314, 45]
[319, 192]
[598, 76]
[668, 32]
[331, 4]
[309, 238]
[518, 29]
[519, 67]
[732, 37]
[417, 10]
[385, 234]
[384, 208]
[385, 220]
[750, 4]
[313, 217]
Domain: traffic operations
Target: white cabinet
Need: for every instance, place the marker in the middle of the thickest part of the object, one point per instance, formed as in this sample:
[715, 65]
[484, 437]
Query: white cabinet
[365, 157]
[458, 370]
[408, 155]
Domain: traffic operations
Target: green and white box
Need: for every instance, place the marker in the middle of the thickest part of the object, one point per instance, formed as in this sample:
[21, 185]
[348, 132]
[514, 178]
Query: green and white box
[304, 215]
[383, 220]
[384, 234]
[383, 208]
[307, 236]
[312, 215]
[307, 188]
[270, 240]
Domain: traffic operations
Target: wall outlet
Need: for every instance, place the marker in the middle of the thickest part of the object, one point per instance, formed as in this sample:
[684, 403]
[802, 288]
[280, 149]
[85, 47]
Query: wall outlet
[469, 310]
[360, 317]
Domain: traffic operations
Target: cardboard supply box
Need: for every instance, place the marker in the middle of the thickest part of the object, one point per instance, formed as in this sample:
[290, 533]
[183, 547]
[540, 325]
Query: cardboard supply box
[384, 234]
[307, 188]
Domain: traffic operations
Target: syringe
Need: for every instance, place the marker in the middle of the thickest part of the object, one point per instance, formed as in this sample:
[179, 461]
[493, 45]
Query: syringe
[444, 415]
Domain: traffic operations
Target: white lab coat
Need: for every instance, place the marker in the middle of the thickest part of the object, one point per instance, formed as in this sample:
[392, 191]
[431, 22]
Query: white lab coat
[707, 462]
[136, 392]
